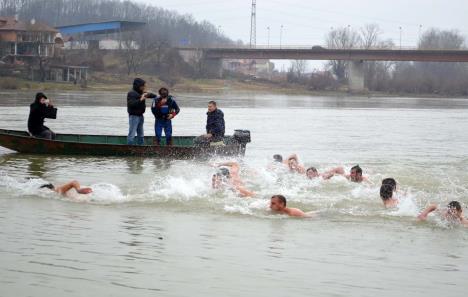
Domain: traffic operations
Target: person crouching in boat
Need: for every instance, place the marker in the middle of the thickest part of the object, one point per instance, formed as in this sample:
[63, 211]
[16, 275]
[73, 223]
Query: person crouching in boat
[66, 188]
[41, 109]
[136, 107]
[164, 108]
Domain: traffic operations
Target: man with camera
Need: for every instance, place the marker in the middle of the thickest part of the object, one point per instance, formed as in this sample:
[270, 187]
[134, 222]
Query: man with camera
[136, 107]
[41, 109]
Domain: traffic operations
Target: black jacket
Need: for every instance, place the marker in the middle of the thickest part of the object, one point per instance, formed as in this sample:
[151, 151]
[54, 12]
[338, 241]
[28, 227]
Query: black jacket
[134, 105]
[38, 112]
[215, 124]
[158, 110]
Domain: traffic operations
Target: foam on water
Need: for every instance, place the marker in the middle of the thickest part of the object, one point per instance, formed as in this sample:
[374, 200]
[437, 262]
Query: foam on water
[187, 184]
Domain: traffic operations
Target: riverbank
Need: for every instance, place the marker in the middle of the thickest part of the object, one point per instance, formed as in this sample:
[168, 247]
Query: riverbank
[120, 83]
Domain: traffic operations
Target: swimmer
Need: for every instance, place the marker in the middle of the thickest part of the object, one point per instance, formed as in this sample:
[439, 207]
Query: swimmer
[453, 213]
[278, 205]
[355, 175]
[230, 177]
[387, 190]
[294, 165]
[278, 163]
[278, 159]
[312, 173]
[64, 189]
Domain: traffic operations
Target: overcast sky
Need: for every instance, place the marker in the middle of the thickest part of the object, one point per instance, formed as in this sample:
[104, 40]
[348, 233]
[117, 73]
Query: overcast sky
[306, 22]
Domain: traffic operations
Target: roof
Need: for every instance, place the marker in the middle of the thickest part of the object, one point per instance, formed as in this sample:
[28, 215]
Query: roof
[100, 27]
[12, 24]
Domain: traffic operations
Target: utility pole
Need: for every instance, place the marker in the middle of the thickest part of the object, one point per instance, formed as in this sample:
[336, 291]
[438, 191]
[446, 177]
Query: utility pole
[400, 36]
[281, 37]
[268, 43]
[420, 32]
[253, 25]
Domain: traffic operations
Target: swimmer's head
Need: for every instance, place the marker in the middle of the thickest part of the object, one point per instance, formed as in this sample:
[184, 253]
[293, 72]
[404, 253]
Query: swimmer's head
[312, 173]
[390, 182]
[47, 186]
[278, 203]
[454, 209]
[220, 178]
[356, 174]
[292, 163]
[278, 158]
[386, 192]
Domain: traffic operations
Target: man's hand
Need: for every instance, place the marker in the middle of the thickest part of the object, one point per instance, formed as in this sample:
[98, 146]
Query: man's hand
[170, 117]
[143, 96]
[209, 135]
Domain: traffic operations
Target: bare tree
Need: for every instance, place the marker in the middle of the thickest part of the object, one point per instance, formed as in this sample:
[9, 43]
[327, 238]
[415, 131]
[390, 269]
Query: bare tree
[370, 35]
[341, 38]
[299, 68]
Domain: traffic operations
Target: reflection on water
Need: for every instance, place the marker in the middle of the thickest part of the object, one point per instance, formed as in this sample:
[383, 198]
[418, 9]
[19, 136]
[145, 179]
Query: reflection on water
[157, 226]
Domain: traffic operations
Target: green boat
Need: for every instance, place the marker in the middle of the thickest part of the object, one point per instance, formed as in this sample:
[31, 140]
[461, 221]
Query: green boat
[103, 145]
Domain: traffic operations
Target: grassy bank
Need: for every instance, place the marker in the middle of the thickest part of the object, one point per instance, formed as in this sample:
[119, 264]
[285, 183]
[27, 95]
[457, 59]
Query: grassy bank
[118, 83]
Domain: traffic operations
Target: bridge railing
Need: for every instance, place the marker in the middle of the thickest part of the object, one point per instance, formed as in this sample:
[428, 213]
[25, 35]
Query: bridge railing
[304, 47]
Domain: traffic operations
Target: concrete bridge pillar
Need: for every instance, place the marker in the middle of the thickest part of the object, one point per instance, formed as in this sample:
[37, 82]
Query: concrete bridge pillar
[213, 68]
[356, 76]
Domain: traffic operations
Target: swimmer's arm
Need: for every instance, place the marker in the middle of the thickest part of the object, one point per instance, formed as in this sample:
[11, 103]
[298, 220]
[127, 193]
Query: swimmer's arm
[339, 171]
[423, 215]
[330, 173]
[73, 185]
[293, 156]
[244, 192]
[464, 222]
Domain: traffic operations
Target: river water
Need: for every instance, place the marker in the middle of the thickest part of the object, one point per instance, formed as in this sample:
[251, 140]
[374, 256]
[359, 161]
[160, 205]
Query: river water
[156, 228]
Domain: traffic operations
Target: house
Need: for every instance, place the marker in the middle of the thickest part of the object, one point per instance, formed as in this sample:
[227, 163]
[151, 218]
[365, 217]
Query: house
[20, 40]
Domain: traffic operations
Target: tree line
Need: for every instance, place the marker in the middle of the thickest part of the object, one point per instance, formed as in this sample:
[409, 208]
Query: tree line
[389, 76]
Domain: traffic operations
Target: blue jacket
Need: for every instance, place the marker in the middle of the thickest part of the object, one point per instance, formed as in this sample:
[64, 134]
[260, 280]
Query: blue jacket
[161, 112]
[215, 124]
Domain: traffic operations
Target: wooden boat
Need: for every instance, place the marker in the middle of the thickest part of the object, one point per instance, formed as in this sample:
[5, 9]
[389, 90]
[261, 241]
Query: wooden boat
[102, 145]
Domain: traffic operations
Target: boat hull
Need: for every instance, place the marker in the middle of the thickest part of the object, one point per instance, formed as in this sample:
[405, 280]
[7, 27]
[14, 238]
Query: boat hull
[23, 143]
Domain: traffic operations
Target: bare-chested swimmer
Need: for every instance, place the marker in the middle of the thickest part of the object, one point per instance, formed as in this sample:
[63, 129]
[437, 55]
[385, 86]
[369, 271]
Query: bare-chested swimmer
[278, 205]
[387, 193]
[65, 189]
[312, 173]
[294, 165]
[229, 177]
[453, 213]
[355, 175]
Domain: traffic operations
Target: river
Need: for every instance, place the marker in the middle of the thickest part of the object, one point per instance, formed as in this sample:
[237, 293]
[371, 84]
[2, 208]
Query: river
[155, 227]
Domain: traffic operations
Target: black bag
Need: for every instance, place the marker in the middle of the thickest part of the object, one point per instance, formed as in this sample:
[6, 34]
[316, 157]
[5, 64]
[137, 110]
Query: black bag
[51, 113]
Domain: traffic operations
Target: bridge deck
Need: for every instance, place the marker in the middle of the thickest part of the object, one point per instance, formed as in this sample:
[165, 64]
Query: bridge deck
[337, 54]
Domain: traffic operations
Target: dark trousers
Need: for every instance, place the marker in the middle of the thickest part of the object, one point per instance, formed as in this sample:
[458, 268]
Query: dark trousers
[46, 134]
[165, 125]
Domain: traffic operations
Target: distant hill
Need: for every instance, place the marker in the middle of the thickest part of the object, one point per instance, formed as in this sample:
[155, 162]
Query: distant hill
[177, 29]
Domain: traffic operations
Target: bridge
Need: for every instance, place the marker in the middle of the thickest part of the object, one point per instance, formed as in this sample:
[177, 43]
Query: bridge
[212, 57]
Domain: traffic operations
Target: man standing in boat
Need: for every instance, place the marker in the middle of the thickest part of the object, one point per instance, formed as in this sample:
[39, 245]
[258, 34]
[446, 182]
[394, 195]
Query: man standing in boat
[41, 109]
[164, 108]
[136, 107]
